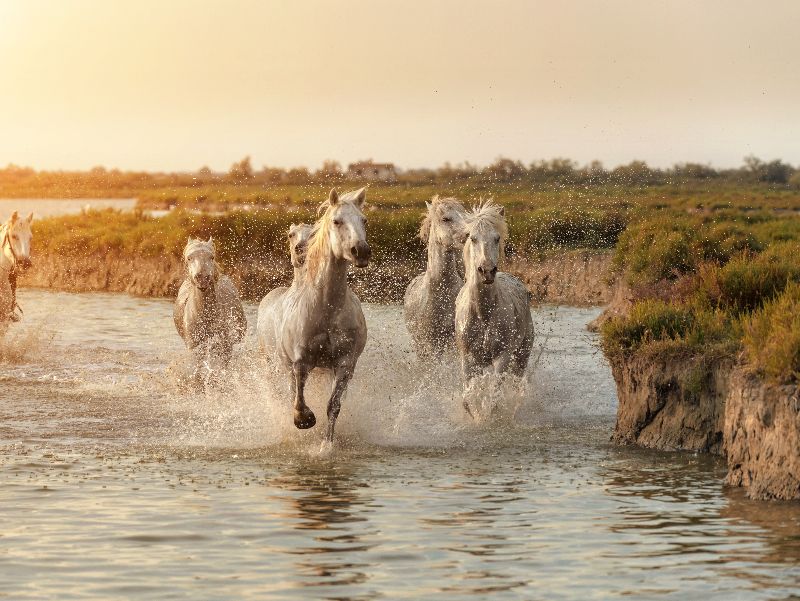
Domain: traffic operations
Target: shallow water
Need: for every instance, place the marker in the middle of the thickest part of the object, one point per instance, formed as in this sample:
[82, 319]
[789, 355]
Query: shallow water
[51, 207]
[119, 483]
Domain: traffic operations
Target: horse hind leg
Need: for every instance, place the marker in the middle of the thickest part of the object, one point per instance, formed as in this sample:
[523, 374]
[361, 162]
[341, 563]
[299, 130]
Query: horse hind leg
[342, 377]
[304, 418]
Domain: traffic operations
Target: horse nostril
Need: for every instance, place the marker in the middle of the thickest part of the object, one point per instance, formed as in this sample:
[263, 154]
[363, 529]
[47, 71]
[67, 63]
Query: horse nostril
[354, 251]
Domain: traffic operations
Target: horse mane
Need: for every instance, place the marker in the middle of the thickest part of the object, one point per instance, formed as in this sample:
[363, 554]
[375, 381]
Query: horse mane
[425, 227]
[488, 214]
[319, 242]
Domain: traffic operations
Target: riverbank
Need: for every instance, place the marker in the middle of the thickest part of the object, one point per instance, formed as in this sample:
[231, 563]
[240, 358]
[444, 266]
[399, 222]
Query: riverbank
[577, 278]
[704, 343]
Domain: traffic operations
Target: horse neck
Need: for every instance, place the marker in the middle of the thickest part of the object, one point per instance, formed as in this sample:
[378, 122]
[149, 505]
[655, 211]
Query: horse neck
[202, 303]
[330, 286]
[482, 298]
[442, 265]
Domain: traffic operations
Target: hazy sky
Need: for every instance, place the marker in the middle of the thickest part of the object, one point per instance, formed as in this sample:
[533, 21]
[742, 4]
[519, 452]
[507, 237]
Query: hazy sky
[165, 85]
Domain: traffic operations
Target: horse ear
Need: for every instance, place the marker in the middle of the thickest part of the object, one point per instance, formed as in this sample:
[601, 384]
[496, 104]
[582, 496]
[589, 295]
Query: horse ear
[30, 217]
[427, 206]
[333, 197]
[14, 217]
[361, 196]
[502, 211]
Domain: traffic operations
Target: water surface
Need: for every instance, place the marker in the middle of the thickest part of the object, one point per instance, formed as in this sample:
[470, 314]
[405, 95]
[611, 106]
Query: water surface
[117, 482]
[52, 207]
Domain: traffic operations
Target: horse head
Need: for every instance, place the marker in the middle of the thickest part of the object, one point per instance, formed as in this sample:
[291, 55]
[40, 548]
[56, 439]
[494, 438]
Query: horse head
[483, 236]
[17, 240]
[200, 259]
[342, 230]
[299, 234]
[443, 223]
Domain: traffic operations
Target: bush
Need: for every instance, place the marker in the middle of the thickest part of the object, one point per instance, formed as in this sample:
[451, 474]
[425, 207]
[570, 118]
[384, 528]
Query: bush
[772, 337]
[650, 321]
[670, 245]
[746, 282]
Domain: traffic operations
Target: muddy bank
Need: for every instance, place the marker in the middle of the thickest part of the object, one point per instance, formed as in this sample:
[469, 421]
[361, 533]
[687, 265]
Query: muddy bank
[671, 401]
[571, 278]
[762, 438]
[685, 402]
[575, 278]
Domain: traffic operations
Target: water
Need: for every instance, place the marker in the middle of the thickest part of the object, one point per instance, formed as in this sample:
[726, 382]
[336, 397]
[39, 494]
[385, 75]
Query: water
[118, 483]
[52, 207]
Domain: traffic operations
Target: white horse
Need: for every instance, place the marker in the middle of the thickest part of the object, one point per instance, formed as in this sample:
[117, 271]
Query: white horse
[208, 313]
[299, 234]
[318, 322]
[430, 298]
[15, 237]
[494, 328]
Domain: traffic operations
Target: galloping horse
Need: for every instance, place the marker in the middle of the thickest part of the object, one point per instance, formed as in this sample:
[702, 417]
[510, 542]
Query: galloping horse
[299, 233]
[208, 313]
[430, 298]
[318, 322]
[15, 237]
[494, 328]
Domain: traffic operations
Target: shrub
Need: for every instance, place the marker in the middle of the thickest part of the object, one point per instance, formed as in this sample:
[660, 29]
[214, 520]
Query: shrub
[772, 337]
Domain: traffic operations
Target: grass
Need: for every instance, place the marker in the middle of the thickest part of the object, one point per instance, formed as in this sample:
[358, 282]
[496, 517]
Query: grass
[772, 337]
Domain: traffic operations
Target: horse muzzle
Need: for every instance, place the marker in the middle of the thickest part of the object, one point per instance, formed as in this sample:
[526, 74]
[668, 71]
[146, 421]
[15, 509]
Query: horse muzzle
[25, 264]
[362, 253]
[203, 282]
[488, 274]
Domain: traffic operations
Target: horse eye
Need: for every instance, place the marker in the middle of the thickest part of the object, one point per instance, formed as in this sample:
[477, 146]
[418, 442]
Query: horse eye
[446, 219]
[497, 239]
[15, 237]
[337, 222]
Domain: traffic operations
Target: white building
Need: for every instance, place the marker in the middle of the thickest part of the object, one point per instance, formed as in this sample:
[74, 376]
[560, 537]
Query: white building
[383, 172]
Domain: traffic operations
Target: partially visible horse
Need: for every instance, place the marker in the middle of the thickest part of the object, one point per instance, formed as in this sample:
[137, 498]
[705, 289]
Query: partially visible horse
[208, 313]
[494, 328]
[318, 322]
[299, 234]
[430, 298]
[15, 237]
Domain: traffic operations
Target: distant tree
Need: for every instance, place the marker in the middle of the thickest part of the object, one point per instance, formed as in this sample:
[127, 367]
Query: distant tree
[774, 172]
[297, 175]
[504, 169]
[637, 173]
[694, 171]
[241, 171]
[330, 170]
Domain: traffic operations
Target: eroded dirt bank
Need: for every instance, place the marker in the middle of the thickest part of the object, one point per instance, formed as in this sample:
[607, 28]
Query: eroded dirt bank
[670, 402]
[574, 278]
[762, 438]
[680, 402]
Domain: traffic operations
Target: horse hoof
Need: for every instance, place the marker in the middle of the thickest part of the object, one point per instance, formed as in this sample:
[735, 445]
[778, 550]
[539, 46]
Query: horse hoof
[305, 420]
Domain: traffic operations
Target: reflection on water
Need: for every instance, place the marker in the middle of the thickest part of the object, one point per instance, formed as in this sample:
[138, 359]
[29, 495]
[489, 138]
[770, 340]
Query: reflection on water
[118, 484]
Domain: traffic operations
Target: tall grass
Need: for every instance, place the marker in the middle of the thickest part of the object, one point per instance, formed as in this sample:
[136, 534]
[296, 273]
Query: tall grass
[772, 337]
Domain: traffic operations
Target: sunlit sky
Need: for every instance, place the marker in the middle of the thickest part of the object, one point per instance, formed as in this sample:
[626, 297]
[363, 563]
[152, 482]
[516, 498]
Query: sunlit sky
[175, 85]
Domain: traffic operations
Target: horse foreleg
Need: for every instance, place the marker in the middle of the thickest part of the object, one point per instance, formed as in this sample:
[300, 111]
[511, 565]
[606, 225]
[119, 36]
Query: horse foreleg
[342, 377]
[303, 416]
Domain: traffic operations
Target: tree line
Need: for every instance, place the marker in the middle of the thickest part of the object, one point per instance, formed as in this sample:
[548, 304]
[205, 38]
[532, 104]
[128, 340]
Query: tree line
[557, 171]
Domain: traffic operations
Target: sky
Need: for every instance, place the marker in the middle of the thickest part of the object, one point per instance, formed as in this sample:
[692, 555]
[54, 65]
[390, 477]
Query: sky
[175, 85]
